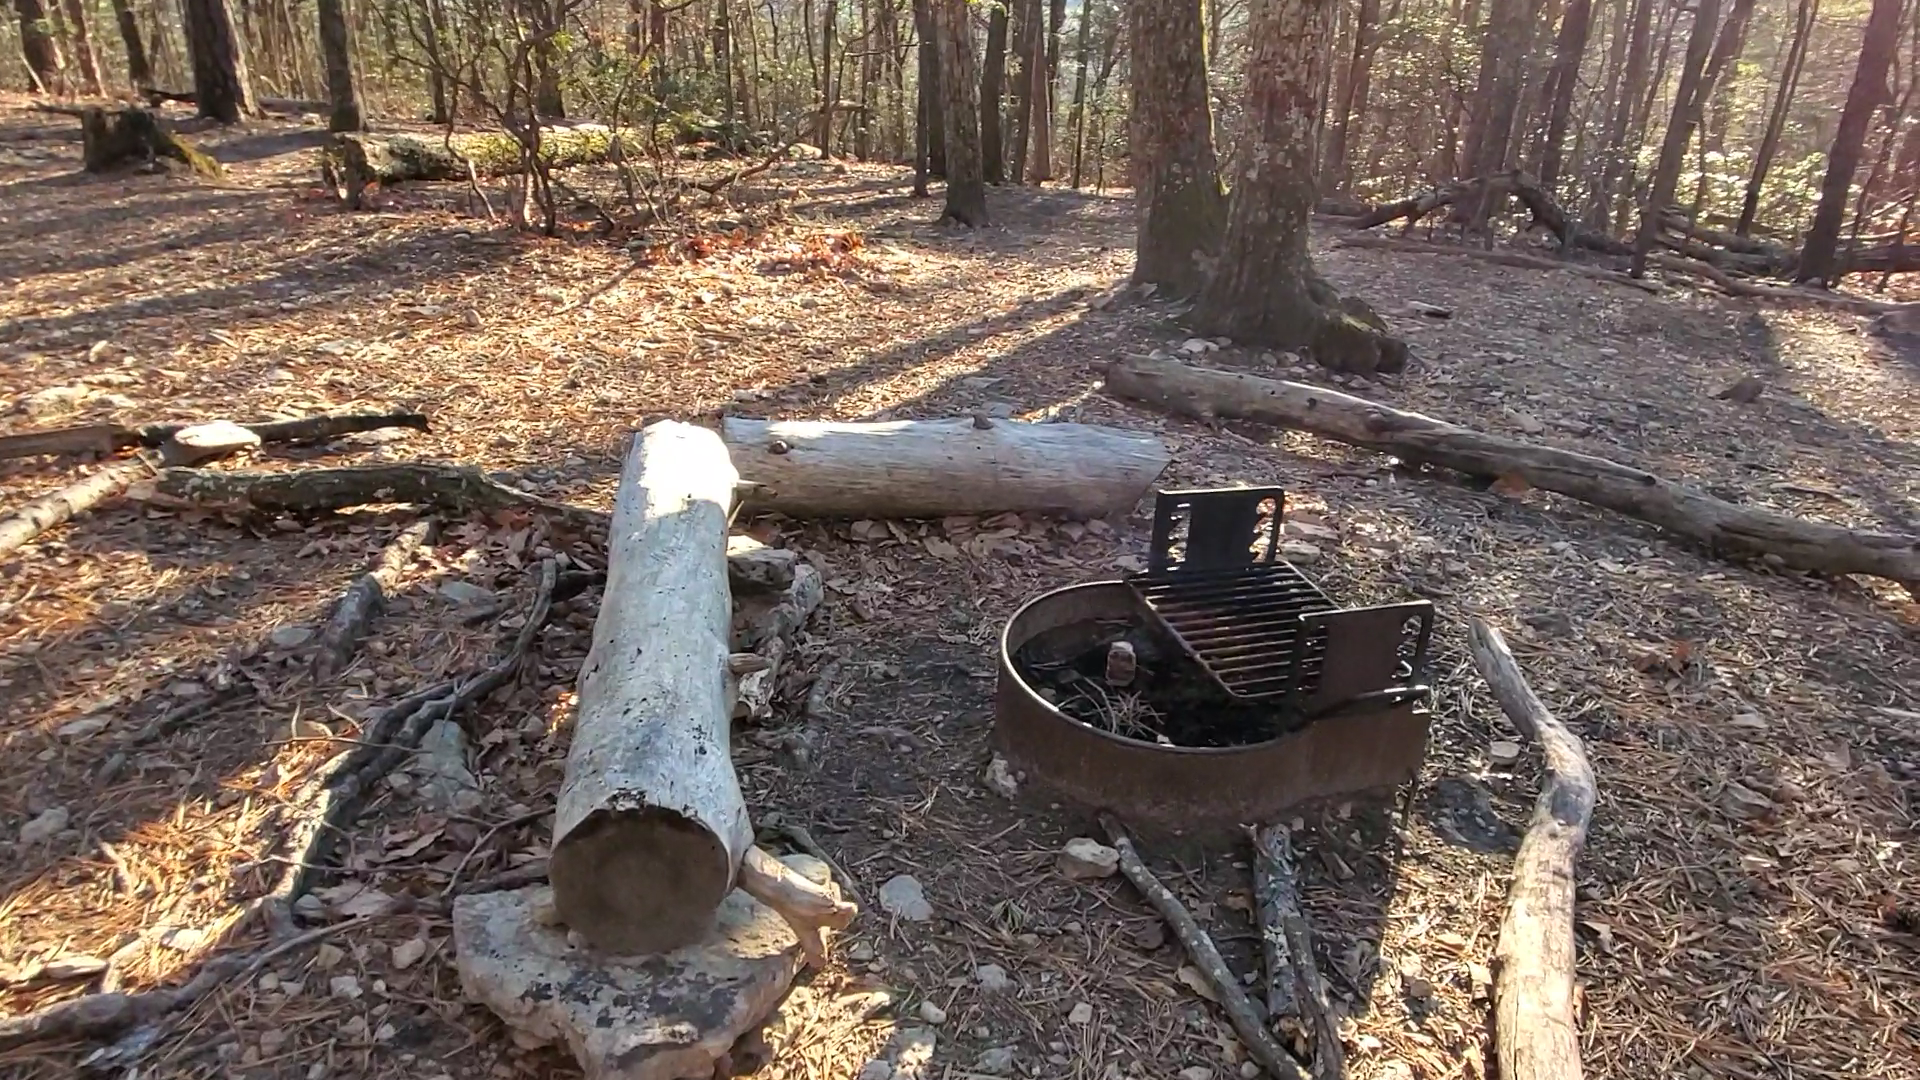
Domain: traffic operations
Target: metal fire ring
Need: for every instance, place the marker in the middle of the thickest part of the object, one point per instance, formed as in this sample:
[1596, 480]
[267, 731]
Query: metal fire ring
[1187, 787]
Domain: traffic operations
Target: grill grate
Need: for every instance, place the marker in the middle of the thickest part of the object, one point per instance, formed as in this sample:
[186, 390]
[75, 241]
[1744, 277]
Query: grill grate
[1262, 629]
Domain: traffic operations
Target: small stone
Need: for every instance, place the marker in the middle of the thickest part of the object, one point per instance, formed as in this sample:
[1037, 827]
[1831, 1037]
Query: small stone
[49, 824]
[408, 953]
[999, 778]
[992, 978]
[1196, 1072]
[465, 592]
[440, 767]
[994, 1061]
[83, 727]
[1417, 987]
[912, 1053]
[1248, 1070]
[344, 986]
[1196, 346]
[903, 897]
[1081, 1014]
[1083, 859]
[932, 1014]
[1744, 392]
[385, 1033]
[290, 637]
[1503, 751]
[877, 1069]
[860, 952]
[1308, 530]
[309, 908]
[1149, 936]
[1299, 551]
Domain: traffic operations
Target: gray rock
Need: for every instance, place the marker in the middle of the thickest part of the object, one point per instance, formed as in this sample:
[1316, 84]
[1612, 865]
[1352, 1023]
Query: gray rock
[659, 1017]
[1196, 1072]
[51, 401]
[912, 1053]
[440, 771]
[932, 1013]
[290, 637]
[995, 1061]
[1299, 551]
[992, 978]
[465, 592]
[903, 897]
[999, 778]
[1084, 858]
[49, 824]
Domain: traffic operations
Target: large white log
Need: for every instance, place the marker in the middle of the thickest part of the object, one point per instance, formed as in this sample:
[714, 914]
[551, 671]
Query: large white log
[933, 468]
[650, 825]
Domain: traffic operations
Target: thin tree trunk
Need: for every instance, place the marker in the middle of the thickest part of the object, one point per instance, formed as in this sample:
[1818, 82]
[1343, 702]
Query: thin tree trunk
[1080, 94]
[1789, 82]
[1687, 100]
[932, 123]
[1180, 209]
[993, 79]
[1354, 90]
[40, 48]
[959, 91]
[1040, 100]
[1869, 91]
[336, 47]
[1619, 153]
[83, 55]
[823, 123]
[221, 88]
[139, 71]
[1509, 38]
[1568, 50]
[1022, 46]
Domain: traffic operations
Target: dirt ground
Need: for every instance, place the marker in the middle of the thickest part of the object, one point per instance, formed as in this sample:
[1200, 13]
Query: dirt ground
[1748, 899]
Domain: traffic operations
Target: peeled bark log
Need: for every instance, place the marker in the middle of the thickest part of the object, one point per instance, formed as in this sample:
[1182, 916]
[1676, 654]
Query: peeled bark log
[1722, 527]
[650, 825]
[1535, 1033]
[48, 511]
[935, 468]
[351, 163]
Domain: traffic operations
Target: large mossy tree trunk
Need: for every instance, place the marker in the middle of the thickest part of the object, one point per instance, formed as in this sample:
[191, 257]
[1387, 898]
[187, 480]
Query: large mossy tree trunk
[139, 70]
[336, 46]
[960, 108]
[1179, 207]
[1264, 290]
[221, 88]
[38, 45]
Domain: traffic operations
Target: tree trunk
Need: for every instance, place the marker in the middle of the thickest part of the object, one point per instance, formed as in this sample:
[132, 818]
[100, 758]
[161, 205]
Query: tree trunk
[83, 55]
[40, 48]
[221, 88]
[336, 47]
[1723, 527]
[1353, 97]
[993, 80]
[1180, 209]
[932, 114]
[1039, 100]
[1022, 47]
[1080, 94]
[1687, 100]
[650, 825]
[1568, 50]
[959, 90]
[937, 468]
[1617, 153]
[823, 123]
[1789, 81]
[1869, 91]
[1509, 39]
[1265, 291]
[139, 70]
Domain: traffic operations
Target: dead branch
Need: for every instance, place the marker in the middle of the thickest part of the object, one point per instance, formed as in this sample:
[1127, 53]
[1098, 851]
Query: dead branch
[800, 837]
[714, 187]
[1246, 1020]
[36, 517]
[1535, 1035]
[1295, 991]
[807, 908]
[454, 489]
[1503, 258]
[111, 438]
[366, 598]
[1733, 286]
[1721, 526]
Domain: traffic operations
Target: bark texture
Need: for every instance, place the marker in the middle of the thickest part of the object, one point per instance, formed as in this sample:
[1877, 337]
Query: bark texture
[111, 138]
[1568, 49]
[1869, 91]
[959, 88]
[993, 87]
[220, 85]
[1180, 208]
[40, 48]
[336, 47]
[139, 69]
[1264, 290]
[1687, 100]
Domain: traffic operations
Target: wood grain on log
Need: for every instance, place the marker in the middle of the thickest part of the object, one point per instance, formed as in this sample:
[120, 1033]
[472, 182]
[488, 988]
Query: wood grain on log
[1721, 526]
[935, 468]
[43, 513]
[807, 908]
[1536, 1035]
[650, 824]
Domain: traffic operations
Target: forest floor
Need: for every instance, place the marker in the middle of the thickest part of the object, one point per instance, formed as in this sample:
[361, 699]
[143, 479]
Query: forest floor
[1755, 732]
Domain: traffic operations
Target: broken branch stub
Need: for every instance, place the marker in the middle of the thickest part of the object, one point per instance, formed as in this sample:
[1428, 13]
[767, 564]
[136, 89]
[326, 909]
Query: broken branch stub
[936, 468]
[650, 824]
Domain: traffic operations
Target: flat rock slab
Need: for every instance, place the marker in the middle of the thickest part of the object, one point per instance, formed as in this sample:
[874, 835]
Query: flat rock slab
[667, 1016]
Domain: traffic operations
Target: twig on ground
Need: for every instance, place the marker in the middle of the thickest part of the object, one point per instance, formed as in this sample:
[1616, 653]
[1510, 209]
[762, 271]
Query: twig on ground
[803, 839]
[36, 517]
[453, 879]
[1241, 1012]
[1534, 1030]
[1295, 990]
[365, 599]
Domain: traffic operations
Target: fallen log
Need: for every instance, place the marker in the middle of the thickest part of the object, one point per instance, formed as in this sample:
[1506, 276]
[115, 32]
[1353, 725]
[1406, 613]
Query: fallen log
[650, 825]
[61, 506]
[936, 468]
[453, 489]
[350, 163]
[1535, 1033]
[1296, 994]
[112, 137]
[1723, 527]
[1241, 1013]
[364, 600]
[111, 438]
[1785, 294]
[1502, 258]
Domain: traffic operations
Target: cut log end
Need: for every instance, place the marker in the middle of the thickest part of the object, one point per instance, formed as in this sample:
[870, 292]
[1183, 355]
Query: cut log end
[641, 881]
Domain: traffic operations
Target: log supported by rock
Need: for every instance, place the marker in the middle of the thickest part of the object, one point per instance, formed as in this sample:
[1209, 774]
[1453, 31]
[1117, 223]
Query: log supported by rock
[936, 468]
[650, 825]
[1723, 527]
[113, 137]
[353, 162]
